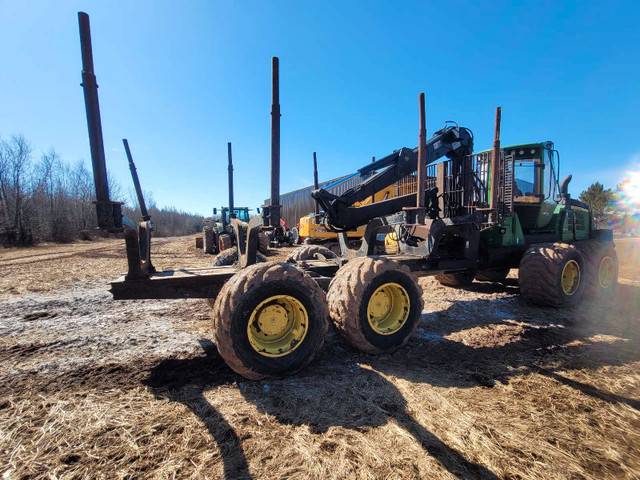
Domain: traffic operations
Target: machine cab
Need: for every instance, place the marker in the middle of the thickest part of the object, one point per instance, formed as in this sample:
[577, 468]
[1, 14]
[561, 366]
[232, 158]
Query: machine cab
[241, 214]
[535, 183]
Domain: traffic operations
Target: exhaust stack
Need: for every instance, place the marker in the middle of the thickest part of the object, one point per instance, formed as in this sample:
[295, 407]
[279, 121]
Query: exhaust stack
[136, 183]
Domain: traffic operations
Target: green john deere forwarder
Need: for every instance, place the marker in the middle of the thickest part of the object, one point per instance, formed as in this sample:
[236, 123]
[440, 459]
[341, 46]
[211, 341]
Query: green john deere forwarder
[470, 217]
[475, 228]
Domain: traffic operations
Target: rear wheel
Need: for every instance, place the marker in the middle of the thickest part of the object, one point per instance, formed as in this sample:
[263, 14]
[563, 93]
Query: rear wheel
[295, 236]
[601, 265]
[552, 275]
[310, 252]
[208, 240]
[263, 243]
[269, 319]
[224, 242]
[375, 304]
[494, 275]
[455, 279]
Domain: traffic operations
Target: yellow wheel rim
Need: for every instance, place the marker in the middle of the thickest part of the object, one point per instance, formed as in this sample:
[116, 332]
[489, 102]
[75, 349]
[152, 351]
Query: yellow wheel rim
[570, 277]
[606, 272]
[277, 326]
[388, 308]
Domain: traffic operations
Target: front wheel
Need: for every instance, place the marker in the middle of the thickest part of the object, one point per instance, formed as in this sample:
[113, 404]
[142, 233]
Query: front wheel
[463, 279]
[552, 274]
[269, 319]
[375, 304]
[601, 264]
[493, 275]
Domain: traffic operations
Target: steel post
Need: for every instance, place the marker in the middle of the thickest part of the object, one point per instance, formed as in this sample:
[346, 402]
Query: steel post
[230, 168]
[315, 181]
[274, 208]
[373, 197]
[422, 154]
[136, 182]
[104, 207]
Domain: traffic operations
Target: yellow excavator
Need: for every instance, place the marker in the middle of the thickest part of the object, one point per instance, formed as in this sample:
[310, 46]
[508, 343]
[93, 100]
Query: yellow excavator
[313, 230]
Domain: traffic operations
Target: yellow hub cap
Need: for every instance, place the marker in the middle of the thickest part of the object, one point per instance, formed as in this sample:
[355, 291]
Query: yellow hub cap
[606, 272]
[570, 277]
[388, 308]
[277, 326]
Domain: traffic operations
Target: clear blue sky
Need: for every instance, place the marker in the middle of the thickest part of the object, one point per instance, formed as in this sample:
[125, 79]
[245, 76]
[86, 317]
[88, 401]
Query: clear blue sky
[181, 79]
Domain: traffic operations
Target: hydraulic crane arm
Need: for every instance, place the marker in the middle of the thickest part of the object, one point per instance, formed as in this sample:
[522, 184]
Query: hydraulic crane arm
[451, 141]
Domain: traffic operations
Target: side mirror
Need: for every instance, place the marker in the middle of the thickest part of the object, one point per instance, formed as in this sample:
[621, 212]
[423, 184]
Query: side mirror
[215, 211]
[258, 210]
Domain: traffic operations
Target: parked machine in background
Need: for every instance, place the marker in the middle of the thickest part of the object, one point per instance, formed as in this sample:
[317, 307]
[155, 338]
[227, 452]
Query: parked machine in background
[313, 230]
[465, 220]
[218, 234]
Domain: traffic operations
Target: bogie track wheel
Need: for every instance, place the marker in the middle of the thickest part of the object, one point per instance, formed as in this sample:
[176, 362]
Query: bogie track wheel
[552, 274]
[375, 304]
[269, 319]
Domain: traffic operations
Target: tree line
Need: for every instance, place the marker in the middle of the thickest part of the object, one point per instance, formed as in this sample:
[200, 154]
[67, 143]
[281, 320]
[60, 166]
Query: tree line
[50, 200]
[47, 199]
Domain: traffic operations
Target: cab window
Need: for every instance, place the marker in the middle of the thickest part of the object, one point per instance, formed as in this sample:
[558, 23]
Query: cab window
[524, 177]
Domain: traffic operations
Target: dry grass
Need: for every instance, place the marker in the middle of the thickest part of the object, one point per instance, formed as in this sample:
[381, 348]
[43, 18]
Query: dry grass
[488, 388]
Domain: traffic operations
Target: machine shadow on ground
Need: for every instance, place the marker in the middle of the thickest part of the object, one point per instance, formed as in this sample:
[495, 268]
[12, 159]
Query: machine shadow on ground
[528, 340]
[348, 389]
[368, 401]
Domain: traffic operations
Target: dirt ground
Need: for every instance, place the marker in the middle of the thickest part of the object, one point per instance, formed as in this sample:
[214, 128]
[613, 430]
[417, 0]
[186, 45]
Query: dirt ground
[489, 387]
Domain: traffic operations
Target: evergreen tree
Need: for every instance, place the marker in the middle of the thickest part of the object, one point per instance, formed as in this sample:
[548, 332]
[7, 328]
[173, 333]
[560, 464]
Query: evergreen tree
[600, 201]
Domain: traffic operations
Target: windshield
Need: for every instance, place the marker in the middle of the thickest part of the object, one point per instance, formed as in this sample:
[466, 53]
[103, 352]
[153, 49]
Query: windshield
[242, 214]
[524, 177]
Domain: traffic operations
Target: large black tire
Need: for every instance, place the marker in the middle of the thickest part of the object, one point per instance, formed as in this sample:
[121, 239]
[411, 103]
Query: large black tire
[494, 275]
[263, 243]
[230, 257]
[245, 294]
[601, 265]
[354, 296]
[224, 242]
[552, 274]
[310, 252]
[208, 240]
[455, 279]
[295, 236]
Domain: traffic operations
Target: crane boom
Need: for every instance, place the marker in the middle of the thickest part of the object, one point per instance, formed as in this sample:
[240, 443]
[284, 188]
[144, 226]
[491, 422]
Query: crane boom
[451, 141]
